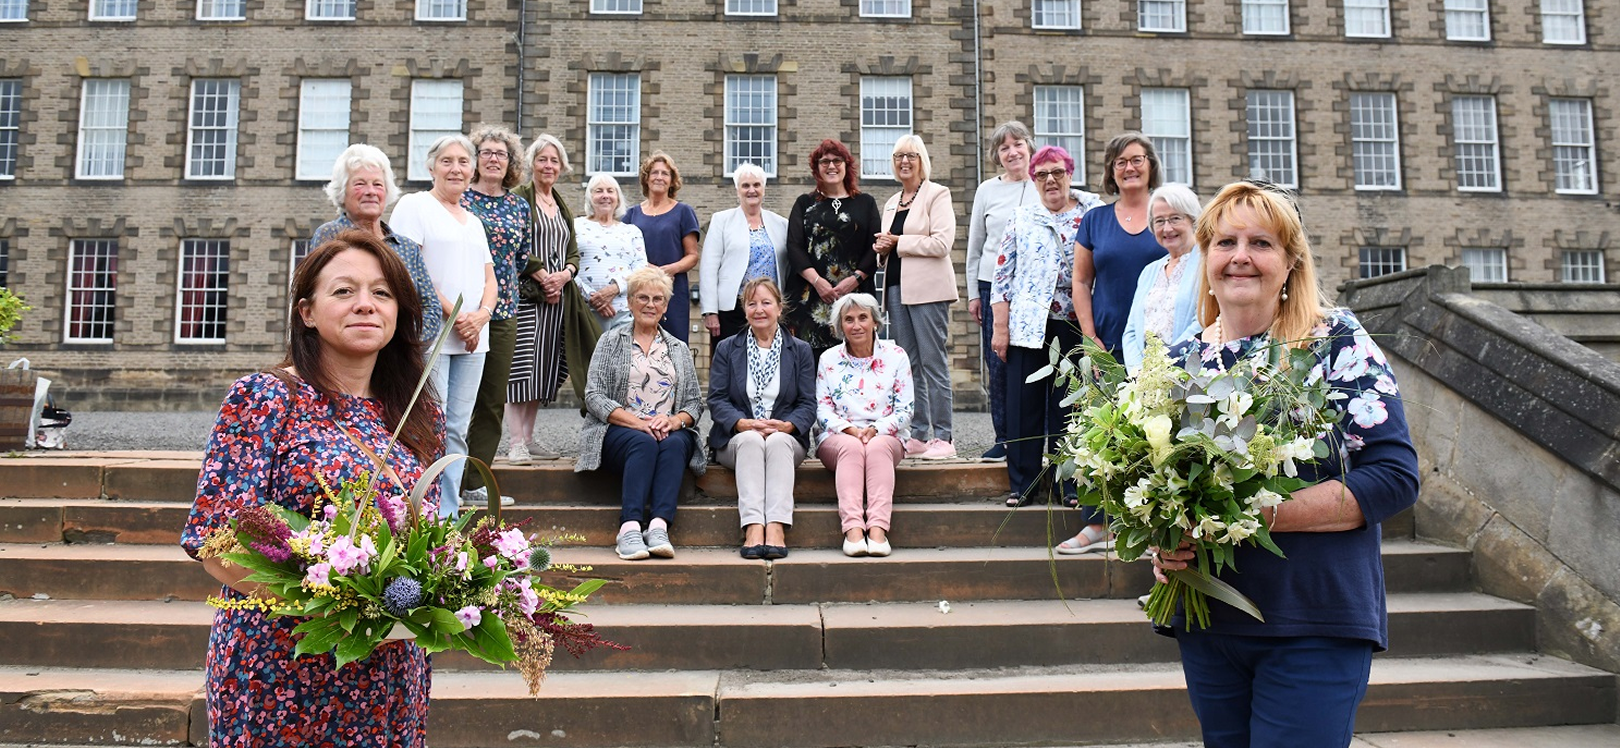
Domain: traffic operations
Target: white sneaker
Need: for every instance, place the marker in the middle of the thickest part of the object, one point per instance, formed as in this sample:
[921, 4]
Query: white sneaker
[519, 454]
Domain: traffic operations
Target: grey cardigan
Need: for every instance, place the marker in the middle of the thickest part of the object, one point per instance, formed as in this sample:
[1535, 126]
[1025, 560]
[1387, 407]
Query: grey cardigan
[608, 385]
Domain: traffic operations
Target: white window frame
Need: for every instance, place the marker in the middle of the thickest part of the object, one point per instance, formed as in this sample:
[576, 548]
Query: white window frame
[5, 262]
[457, 10]
[1292, 137]
[313, 10]
[1051, 104]
[606, 7]
[1252, 24]
[233, 108]
[1383, 259]
[1574, 10]
[1361, 139]
[182, 288]
[1377, 8]
[116, 128]
[1485, 264]
[1173, 141]
[211, 10]
[294, 256]
[878, 139]
[735, 8]
[308, 163]
[1177, 16]
[596, 124]
[10, 127]
[884, 8]
[1567, 267]
[1492, 140]
[99, 8]
[1457, 11]
[430, 125]
[70, 305]
[1068, 19]
[18, 6]
[763, 117]
[1568, 146]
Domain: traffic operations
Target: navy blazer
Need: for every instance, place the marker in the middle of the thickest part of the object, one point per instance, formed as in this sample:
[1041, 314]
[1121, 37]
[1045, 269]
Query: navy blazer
[728, 388]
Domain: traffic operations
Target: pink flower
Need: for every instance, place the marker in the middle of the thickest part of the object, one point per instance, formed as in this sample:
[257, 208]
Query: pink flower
[528, 601]
[331, 511]
[319, 575]
[469, 616]
[347, 557]
[461, 561]
[492, 562]
[512, 544]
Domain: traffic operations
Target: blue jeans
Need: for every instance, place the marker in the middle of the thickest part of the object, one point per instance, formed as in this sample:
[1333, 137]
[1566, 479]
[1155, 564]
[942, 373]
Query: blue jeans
[455, 379]
[1275, 692]
[994, 367]
[650, 471]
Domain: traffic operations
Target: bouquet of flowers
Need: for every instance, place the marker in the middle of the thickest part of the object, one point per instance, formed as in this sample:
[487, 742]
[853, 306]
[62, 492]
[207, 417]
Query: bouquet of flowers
[1179, 453]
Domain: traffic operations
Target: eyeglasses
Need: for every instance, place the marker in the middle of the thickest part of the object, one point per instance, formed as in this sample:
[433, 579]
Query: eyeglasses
[1135, 161]
[1058, 174]
[1176, 219]
[907, 157]
[831, 162]
[493, 155]
[644, 299]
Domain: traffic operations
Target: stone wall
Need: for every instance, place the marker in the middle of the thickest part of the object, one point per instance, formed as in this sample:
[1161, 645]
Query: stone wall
[1518, 434]
[1586, 314]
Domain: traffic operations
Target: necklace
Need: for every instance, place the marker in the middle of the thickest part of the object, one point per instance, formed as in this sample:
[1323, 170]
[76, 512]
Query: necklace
[837, 202]
[904, 203]
[1220, 331]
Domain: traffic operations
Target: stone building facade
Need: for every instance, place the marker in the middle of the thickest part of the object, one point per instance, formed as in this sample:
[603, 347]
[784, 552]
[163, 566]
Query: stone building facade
[159, 163]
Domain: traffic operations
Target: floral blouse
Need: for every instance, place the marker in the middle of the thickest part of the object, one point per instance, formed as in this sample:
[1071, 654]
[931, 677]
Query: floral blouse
[506, 225]
[1035, 269]
[608, 254]
[652, 380]
[863, 392]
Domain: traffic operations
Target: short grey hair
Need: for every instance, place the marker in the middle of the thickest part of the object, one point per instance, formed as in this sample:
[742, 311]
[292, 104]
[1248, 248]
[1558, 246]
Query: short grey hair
[607, 179]
[1179, 197]
[445, 141]
[540, 142]
[352, 159]
[1010, 129]
[650, 275]
[862, 300]
[747, 169]
[915, 141]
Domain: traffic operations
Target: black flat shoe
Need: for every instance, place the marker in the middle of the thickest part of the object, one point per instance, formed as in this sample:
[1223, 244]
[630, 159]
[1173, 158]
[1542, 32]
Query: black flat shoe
[774, 552]
[1072, 502]
[1014, 501]
[753, 552]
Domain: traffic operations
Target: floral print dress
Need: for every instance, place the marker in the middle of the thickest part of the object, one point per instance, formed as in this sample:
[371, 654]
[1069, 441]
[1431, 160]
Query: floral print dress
[506, 225]
[267, 445]
[834, 237]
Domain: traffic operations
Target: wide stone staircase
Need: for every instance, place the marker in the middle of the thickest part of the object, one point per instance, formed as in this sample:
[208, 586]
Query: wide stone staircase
[971, 634]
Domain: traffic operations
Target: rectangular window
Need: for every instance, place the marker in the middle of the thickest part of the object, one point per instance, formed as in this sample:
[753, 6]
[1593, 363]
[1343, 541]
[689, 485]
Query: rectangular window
[435, 113]
[1265, 16]
[885, 116]
[1574, 146]
[613, 124]
[441, 10]
[1486, 264]
[1055, 14]
[1161, 15]
[323, 126]
[615, 6]
[1366, 18]
[1473, 127]
[211, 140]
[886, 8]
[1563, 21]
[10, 126]
[13, 10]
[1273, 153]
[1060, 120]
[112, 10]
[329, 10]
[5, 263]
[1582, 266]
[1376, 261]
[201, 299]
[1468, 20]
[751, 122]
[750, 7]
[300, 250]
[103, 128]
[1375, 146]
[221, 10]
[92, 290]
[1167, 121]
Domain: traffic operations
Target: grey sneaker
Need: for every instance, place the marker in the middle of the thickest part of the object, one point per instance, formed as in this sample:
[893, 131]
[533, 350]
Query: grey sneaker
[658, 543]
[478, 498]
[631, 547]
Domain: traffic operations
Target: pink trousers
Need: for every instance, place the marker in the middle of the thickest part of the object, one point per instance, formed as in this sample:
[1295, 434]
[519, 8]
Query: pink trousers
[862, 470]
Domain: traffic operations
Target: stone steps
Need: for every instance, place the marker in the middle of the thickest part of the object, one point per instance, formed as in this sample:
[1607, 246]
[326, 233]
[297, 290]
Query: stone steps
[1033, 706]
[986, 634]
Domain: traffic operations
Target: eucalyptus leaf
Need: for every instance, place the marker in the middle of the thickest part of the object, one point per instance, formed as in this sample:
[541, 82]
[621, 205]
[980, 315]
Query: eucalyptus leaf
[1041, 373]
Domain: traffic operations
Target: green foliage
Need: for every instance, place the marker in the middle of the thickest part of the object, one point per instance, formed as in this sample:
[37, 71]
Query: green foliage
[11, 308]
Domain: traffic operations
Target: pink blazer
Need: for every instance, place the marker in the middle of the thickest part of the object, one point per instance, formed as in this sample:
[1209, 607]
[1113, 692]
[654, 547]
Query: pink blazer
[926, 272]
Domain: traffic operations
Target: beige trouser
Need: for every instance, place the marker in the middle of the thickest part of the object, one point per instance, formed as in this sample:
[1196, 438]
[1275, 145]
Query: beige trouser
[764, 467]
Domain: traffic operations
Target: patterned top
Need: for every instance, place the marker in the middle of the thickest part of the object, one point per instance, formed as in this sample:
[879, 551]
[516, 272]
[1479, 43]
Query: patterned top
[1331, 583]
[764, 366]
[652, 380]
[1159, 311]
[506, 225]
[862, 392]
[761, 257]
[608, 254]
[409, 253]
[833, 236]
[1035, 269]
[267, 445]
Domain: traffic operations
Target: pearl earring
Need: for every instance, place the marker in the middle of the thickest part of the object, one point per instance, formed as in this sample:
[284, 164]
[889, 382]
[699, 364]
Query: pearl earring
[1211, 292]
[1285, 292]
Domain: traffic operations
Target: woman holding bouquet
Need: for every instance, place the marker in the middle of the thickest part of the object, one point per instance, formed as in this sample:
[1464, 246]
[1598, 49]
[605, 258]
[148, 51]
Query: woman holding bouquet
[1296, 678]
[353, 360]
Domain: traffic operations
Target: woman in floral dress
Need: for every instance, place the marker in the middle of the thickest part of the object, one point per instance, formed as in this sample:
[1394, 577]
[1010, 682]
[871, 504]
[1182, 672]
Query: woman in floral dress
[354, 357]
[829, 246]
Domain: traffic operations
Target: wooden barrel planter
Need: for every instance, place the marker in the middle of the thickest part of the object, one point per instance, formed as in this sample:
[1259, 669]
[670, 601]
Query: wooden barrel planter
[16, 407]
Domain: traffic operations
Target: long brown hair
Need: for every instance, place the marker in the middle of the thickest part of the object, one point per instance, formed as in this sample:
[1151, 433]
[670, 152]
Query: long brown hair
[830, 147]
[1302, 309]
[399, 364]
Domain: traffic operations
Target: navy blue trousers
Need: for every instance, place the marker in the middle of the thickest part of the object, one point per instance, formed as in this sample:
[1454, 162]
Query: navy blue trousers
[1282, 692]
[994, 367]
[650, 470]
[1035, 418]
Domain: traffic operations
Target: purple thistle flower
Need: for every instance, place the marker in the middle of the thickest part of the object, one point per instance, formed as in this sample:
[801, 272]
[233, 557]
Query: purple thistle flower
[278, 554]
[401, 594]
[390, 512]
